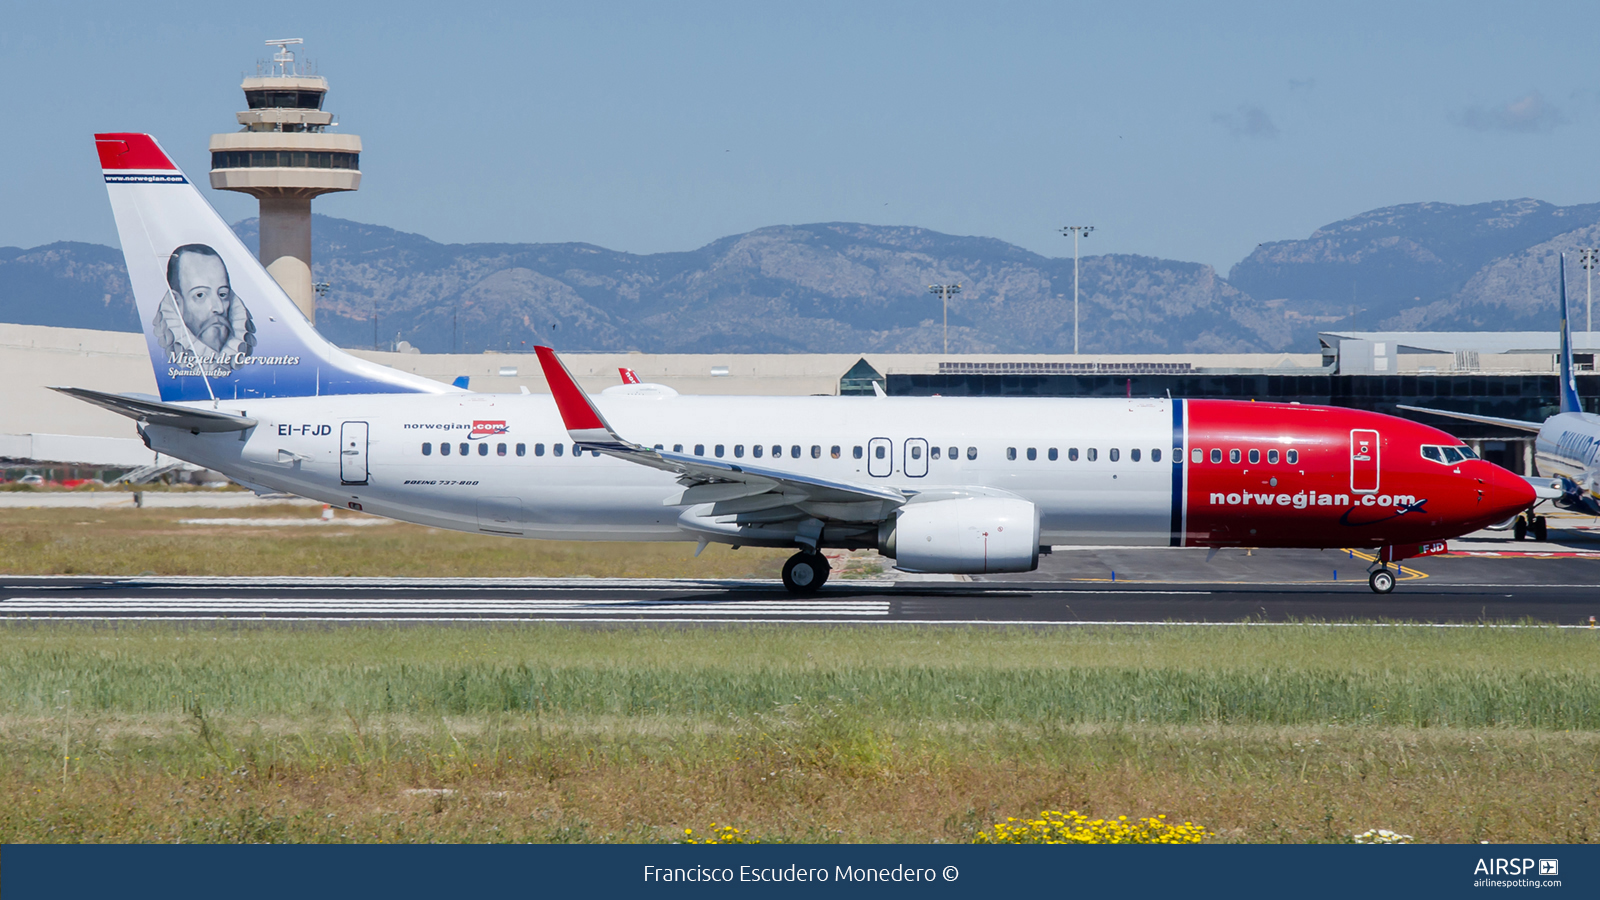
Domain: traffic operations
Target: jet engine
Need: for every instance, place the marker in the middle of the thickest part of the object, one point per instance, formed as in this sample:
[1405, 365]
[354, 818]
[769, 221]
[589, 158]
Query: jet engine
[963, 536]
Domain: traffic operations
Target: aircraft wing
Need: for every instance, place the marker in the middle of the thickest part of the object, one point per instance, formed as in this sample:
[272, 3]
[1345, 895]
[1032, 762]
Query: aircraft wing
[1518, 424]
[150, 411]
[704, 480]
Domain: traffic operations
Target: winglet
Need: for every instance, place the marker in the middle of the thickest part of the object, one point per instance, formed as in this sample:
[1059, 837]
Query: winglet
[584, 422]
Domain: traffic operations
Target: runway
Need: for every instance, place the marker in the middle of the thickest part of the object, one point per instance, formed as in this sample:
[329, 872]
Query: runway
[1554, 586]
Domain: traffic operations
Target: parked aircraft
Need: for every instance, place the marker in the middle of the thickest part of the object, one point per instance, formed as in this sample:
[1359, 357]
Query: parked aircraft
[941, 485]
[1567, 449]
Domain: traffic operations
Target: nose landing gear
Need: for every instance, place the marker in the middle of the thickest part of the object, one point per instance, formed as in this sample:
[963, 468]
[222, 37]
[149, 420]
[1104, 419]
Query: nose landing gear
[805, 573]
[1381, 581]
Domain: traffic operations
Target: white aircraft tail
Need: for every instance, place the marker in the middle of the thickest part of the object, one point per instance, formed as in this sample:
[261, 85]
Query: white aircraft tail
[217, 325]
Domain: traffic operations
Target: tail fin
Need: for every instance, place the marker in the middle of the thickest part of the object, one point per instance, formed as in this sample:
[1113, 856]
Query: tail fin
[1569, 383]
[217, 325]
[628, 375]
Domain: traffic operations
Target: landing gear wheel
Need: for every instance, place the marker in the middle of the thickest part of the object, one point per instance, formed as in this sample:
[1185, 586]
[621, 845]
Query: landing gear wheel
[1540, 531]
[1519, 529]
[805, 573]
[1381, 581]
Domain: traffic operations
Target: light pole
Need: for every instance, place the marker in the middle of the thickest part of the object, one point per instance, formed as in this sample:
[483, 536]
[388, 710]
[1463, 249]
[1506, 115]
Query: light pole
[1077, 231]
[944, 291]
[1590, 256]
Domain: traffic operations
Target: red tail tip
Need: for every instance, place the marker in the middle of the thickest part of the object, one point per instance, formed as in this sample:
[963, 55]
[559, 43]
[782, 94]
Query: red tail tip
[130, 151]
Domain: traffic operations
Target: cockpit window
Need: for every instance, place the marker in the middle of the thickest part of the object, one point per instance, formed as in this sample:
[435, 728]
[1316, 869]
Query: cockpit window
[1432, 452]
[1451, 454]
[1466, 453]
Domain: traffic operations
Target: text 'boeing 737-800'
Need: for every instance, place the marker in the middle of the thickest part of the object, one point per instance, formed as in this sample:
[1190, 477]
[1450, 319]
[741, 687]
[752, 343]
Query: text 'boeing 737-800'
[941, 485]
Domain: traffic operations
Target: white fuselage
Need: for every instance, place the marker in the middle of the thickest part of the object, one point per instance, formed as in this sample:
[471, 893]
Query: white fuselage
[1568, 447]
[296, 448]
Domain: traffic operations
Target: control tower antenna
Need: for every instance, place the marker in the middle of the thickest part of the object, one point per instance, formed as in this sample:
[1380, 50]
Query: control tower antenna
[283, 60]
[284, 156]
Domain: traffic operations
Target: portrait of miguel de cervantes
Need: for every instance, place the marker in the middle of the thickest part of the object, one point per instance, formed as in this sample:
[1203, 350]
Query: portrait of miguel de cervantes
[201, 317]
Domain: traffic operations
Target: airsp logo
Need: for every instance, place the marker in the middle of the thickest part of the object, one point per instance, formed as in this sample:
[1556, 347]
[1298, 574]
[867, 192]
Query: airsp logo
[1503, 866]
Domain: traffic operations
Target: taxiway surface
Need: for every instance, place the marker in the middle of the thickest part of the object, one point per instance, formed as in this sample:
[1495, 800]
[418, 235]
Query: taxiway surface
[1483, 580]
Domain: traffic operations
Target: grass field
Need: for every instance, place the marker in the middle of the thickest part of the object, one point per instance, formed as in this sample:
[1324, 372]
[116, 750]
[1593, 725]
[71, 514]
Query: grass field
[583, 733]
[157, 542]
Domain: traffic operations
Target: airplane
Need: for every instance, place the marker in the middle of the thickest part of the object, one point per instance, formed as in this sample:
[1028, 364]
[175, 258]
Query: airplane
[1567, 447]
[939, 484]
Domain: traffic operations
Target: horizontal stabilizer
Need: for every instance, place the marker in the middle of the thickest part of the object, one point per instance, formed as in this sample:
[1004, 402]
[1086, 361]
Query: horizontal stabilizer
[1518, 424]
[150, 411]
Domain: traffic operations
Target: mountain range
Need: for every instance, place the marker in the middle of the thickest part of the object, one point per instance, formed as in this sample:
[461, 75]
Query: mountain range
[849, 287]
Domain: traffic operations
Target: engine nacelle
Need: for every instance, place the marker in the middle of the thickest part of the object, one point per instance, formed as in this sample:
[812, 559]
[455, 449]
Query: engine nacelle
[963, 536]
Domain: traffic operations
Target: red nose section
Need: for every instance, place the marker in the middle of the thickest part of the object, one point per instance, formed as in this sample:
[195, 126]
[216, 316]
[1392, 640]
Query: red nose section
[1508, 493]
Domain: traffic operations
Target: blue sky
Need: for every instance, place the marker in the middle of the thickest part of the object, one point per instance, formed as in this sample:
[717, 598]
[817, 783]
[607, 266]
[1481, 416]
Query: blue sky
[1185, 131]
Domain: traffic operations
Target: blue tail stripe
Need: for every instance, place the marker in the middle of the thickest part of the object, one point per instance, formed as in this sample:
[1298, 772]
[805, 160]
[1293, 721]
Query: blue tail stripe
[1569, 384]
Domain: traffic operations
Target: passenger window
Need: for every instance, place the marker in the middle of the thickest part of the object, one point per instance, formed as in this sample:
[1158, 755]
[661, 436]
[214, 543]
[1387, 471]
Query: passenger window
[1233, 456]
[1011, 453]
[955, 452]
[1091, 454]
[1272, 457]
[658, 447]
[1053, 454]
[1292, 456]
[879, 451]
[483, 449]
[500, 450]
[795, 451]
[677, 448]
[717, 451]
[738, 450]
[933, 452]
[1451, 454]
[777, 451]
[1429, 452]
[754, 451]
[1216, 455]
[816, 451]
[972, 453]
[464, 448]
[916, 451]
[1133, 455]
[559, 449]
[1155, 455]
[576, 450]
[1255, 456]
[1197, 455]
[856, 451]
[444, 449]
[1033, 454]
[1072, 454]
[1115, 454]
[699, 449]
[834, 451]
[427, 449]
[538, 449]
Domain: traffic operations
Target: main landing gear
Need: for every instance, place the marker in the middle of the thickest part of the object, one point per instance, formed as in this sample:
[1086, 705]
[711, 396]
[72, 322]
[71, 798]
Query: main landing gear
[1381, 581]
[805, 572]
[1530, 524]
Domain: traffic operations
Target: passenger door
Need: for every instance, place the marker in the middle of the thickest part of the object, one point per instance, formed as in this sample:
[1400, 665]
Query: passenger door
[353, 453]
[1363, 461]
[916, 461]
[880, 457]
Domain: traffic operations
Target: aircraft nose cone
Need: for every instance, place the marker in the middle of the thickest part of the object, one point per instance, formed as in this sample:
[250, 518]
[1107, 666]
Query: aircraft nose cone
[1506, 493]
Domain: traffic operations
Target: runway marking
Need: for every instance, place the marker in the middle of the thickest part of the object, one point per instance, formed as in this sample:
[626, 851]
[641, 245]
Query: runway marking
[883, 622]
[243, 606]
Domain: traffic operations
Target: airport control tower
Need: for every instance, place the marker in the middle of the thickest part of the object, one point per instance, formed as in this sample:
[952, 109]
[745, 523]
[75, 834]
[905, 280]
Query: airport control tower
[284, 156]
